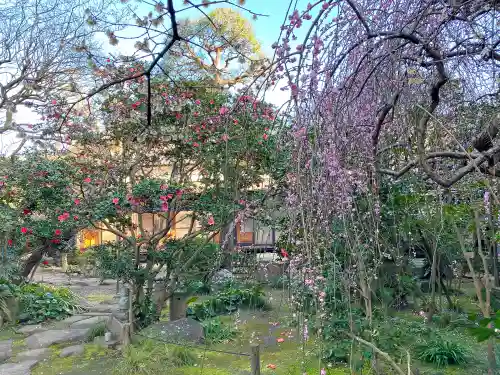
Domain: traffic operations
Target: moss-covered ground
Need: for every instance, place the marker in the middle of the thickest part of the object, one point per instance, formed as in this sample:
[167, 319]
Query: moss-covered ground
[282, 353]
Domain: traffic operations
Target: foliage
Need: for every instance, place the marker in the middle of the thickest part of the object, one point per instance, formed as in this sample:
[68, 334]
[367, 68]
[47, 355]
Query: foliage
[442, 352]
[7, 291]
[40, 302]
[96, 331]
[227, 302]
[149, 357]
[216, 331]
[483, 328]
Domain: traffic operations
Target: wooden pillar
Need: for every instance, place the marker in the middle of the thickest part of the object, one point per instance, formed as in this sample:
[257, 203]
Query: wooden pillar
[255, 359]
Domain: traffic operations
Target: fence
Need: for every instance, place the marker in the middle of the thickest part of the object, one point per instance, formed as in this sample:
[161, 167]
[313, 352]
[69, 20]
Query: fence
[254, 355]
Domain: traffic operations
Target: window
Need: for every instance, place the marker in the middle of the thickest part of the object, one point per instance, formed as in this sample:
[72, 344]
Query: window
[244, 231]
[89, 238]
[183, 223]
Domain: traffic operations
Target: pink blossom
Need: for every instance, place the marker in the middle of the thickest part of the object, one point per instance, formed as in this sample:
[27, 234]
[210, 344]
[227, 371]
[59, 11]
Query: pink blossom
[116, 200]
[196, 144]
[87, 180]
[323, 371]
[211, 220]
[225, 137]
[265, 136]
[77, 201]
[164, 207]
[197, 101]
[223, 111]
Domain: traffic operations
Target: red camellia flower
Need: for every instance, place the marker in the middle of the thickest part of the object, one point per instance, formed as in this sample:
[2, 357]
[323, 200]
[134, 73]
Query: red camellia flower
[87, 180]
[211, 220]
[26, 211]
[116, 200]
[284, 253]
[75, 217]
[45, 262]
[10, 242]
[265, 136]
[57, 232]
[24, 230]
[77, 201]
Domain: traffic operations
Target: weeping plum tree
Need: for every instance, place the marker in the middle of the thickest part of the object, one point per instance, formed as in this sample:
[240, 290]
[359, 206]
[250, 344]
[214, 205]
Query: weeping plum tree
[380, 88]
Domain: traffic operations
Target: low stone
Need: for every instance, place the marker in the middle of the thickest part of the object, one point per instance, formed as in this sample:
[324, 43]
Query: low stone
[5, 349]
[21, 368]
[51, 337]
[101, 341]
[72, 350]
[74, 319]
[269, 341]
[116, 328]
[31, 329]
[179, 331]
[37, 354]
[89, 322]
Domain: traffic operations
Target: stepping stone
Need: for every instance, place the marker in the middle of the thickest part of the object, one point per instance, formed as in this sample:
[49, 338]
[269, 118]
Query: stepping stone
[50, 337]
[37, 354]
[22, 368]
[31, 329]
[5, 349]
[74, 319]
[89, 322]
[72, 350]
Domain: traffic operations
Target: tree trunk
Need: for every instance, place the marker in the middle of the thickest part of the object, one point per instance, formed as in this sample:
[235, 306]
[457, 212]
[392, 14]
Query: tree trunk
[31, 262]
[64, 262]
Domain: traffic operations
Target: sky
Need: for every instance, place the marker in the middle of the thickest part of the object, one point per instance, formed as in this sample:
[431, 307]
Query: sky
[266, 28]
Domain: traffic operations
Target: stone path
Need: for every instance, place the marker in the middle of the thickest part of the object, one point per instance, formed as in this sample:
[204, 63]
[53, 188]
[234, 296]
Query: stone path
[70, 333]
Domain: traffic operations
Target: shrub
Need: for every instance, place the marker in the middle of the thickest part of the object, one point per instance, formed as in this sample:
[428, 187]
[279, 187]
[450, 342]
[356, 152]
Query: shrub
[150, 357]
[216, 331]
[7, 292]
[228, 301]
[40, 302]
[96, 331]
[180, 356]
[442, 352]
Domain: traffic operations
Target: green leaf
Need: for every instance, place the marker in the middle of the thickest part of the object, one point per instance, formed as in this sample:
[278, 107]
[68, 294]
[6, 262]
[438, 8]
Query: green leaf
[482, 333]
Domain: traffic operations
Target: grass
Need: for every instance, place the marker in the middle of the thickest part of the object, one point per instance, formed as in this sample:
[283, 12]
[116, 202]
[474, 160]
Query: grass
[99, 297]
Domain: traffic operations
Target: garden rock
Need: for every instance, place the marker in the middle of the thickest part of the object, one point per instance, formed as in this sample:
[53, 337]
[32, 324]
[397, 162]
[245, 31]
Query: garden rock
[47, 338]
[74, 319]
[89, 322]
[5, 349]
[221, 278]
[182, 330]
[72, 350]
[21, 368]
[31, 329]
[36, 354]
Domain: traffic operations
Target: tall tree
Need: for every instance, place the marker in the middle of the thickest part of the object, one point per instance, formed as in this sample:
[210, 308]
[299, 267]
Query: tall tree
[219, 48]
[44, 47]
